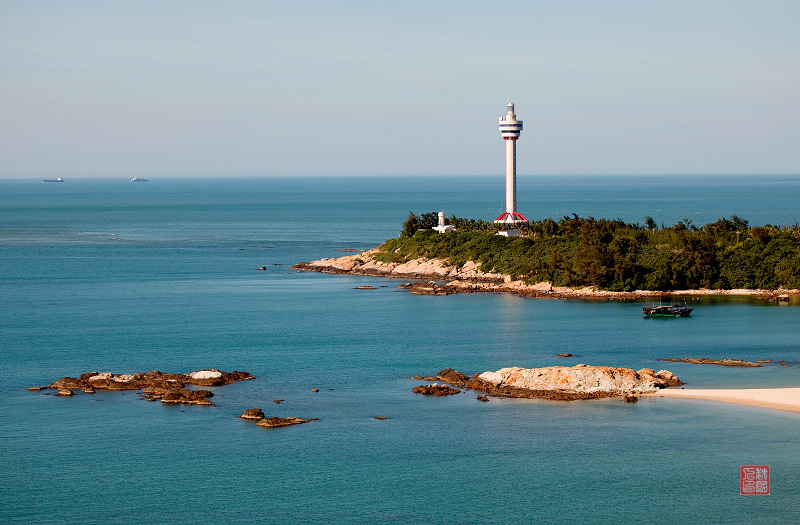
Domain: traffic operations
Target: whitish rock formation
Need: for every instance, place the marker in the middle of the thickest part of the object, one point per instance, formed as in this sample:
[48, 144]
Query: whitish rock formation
[582, 379]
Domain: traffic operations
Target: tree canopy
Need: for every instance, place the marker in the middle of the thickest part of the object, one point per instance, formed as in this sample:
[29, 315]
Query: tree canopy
[612, 254]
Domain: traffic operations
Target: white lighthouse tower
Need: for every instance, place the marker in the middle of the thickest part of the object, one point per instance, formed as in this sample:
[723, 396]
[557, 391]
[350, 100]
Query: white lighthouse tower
[510, 128]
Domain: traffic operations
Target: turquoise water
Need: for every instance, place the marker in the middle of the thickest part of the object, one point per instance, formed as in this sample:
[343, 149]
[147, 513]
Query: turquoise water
[108, 275]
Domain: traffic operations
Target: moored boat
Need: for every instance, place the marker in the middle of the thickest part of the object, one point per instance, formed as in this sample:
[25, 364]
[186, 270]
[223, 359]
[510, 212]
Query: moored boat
[667, 310]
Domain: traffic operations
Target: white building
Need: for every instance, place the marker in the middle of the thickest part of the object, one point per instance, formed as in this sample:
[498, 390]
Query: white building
[442, 228]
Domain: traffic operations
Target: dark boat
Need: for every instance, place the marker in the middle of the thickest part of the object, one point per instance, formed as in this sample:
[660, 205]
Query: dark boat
[667, 310]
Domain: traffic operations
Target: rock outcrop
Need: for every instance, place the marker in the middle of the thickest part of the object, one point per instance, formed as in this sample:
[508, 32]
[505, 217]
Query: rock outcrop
[563, 383]
[467, 278]
[271, 422]
[709, 361]
[420, 268]
[155, 385]
[180, 396]
[435, 390]
[252, 413]
[581, 379]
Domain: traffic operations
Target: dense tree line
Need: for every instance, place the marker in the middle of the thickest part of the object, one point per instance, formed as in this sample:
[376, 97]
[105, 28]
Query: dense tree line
[612, 254]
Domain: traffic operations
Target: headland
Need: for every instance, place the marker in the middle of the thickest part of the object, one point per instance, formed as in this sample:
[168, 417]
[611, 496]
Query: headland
[440, 277]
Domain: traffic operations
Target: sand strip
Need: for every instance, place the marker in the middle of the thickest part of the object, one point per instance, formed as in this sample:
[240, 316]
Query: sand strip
[777, 398]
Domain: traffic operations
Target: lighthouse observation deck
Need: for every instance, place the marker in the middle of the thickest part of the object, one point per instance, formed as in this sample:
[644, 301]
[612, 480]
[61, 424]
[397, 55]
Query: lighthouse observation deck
[510, 127]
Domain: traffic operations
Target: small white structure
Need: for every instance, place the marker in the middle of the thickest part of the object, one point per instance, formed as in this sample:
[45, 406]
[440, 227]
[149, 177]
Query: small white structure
[510, 128]
[442, 228]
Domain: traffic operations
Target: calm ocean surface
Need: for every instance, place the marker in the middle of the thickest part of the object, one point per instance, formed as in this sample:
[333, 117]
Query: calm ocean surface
[105, 275]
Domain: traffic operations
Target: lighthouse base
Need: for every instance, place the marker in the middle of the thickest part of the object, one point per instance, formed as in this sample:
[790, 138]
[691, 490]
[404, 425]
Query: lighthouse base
[511, 218]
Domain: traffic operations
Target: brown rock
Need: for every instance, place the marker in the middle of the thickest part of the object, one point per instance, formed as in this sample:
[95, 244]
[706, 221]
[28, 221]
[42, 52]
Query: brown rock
[435, 390]
[564, 355]
[667, 378]
[271, 422]
[214, 377]
[423, 288]
[68, 383]
[66, 393]
[452, 377]
[252, 413]
[154, 384]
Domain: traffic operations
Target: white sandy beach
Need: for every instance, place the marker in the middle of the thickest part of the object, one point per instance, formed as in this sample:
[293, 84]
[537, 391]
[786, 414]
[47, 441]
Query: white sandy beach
[777, 398]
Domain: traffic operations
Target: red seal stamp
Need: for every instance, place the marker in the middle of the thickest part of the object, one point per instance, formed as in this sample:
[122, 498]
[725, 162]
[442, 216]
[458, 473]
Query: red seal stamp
[754, 479]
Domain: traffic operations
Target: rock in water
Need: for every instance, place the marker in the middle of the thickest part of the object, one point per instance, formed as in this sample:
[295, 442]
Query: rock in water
[155, 385]
[452, 377]
[435, 390]
[594, 381]
[252, 413]
[709, 361]
[271, 422]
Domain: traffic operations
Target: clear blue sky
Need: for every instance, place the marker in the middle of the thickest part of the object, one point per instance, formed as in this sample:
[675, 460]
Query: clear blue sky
[263, 88]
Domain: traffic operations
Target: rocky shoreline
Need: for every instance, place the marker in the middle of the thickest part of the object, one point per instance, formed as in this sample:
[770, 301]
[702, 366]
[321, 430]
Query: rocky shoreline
[442, 278]
[558, 383]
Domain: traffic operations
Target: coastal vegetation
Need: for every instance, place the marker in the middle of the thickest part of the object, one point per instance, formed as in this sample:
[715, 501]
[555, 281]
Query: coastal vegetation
[611, 254]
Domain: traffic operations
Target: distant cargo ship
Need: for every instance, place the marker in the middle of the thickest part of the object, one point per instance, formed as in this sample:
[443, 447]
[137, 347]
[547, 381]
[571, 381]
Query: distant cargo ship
[137, 179]
[53, 180]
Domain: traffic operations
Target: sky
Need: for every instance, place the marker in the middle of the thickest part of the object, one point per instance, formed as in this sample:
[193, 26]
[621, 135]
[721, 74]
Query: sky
[192, 88]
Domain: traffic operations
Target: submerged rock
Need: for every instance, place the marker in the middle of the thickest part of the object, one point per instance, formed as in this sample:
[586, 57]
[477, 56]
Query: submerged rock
[708, 361]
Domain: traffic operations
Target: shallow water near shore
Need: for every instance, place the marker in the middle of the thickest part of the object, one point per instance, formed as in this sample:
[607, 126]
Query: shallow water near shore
[109, 276]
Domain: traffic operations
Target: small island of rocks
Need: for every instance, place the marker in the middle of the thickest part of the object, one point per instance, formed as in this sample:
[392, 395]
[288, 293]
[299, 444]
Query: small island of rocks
[559, 383]
[155, 385]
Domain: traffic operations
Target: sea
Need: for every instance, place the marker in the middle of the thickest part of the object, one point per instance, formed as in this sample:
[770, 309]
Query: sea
[106, 275]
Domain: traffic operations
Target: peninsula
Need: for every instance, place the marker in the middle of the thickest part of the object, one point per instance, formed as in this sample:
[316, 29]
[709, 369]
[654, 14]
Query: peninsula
[585, 258]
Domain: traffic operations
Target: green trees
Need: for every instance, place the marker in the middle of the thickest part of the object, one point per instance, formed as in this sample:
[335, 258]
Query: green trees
[424, 221]
[613, 255]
